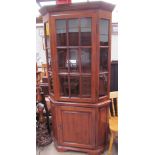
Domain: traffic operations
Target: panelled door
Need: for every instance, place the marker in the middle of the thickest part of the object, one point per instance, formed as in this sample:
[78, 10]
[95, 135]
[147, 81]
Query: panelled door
[76, 126]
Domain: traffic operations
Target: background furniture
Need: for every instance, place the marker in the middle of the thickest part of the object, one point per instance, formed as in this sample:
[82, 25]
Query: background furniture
[44, 70]
[114, 76]
[113, 120]
[40, 99]
[44, 81]
[78, 52]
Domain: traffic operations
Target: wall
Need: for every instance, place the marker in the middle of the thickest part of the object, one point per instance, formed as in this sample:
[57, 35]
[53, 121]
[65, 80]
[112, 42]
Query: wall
[114, 47]
[40, 53]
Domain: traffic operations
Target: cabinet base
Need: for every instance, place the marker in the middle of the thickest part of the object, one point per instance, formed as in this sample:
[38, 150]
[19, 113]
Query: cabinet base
[88, 134]
[60, 148]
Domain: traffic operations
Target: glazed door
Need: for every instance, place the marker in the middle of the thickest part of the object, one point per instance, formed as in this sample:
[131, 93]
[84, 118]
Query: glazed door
[74, 50]
[76, 126]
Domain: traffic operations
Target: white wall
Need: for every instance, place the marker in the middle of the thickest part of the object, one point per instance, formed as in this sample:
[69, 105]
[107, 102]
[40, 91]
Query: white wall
[40, 53]
[114, 47]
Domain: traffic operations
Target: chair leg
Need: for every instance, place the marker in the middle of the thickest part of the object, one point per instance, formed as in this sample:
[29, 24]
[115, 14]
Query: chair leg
[111, 143]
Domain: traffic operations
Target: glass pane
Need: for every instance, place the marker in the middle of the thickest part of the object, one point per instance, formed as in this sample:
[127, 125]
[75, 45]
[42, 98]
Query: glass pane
[74, 86]
[85, 29]
[103, 59]
[61, 32]
[49, 60]
[73, 37]
[86, 60]
[73, 32]
[73, 60]
[103, 84]
[51, 82]
[85, 36]
[104, 24]
[103, 40]
[86, 22]
[62, 60]
[73, 23]
[86, 86]
[64, 89]
[60, 24]
[61, 37]
[48, 42]
[85, 32]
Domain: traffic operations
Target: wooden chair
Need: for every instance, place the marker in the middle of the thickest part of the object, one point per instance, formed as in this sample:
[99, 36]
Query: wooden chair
[113, 119]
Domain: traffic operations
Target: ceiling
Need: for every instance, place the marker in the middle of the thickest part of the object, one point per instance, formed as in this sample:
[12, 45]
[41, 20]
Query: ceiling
[40, 2]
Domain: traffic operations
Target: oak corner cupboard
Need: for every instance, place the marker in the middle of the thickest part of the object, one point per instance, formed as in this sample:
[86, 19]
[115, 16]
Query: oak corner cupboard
[78, 52]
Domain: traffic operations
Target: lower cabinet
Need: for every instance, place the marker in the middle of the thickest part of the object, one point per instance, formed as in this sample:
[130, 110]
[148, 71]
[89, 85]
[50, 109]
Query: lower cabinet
[76, 126]
[80, 128]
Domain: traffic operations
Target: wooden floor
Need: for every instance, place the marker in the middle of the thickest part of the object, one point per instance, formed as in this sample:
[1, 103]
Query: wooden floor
[50, 150]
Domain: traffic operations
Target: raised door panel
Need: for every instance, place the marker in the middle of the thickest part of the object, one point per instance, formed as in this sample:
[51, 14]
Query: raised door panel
[76, 126]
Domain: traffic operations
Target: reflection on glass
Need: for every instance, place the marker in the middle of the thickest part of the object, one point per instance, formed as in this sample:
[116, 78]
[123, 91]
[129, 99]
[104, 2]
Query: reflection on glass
[103, 40]
[73, 60]
[48, 52]
[104, 24]
[60, 24]
[103, 84]
[86, 60]
[73, 37]
[85, 36]
[61, 37]
[103, 59]
[85, 32]
[62, 60]
[73, 23]
[49, 59]
[61, 32]
[74, 86]
[86, 86]
[86, 22]
[48, 42]
[73, 32]
[64, 89]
